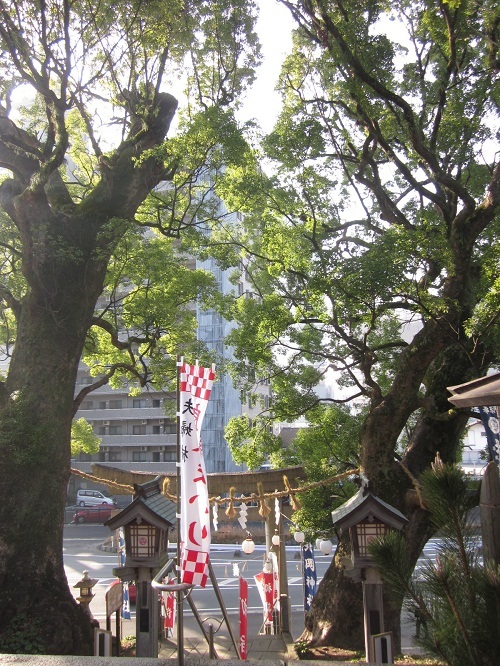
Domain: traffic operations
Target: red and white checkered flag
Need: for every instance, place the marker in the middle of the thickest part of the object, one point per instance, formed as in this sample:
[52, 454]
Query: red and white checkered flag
[194, 568]
[195, 384]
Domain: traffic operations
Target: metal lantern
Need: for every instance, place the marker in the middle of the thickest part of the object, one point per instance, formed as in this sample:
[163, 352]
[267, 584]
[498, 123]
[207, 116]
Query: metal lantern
[365, 532]
[145, 540]
[146, 522]
[367, 518]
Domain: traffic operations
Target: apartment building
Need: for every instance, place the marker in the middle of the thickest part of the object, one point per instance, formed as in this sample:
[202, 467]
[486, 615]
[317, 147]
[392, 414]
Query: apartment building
[132, 429]
[139, 432]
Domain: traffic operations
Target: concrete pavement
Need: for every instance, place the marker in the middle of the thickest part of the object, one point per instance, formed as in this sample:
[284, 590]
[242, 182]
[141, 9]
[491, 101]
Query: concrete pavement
[261, 647]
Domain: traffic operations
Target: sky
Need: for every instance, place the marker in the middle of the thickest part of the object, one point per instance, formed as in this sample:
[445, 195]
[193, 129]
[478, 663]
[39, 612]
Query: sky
[274, 29]
[262, 102]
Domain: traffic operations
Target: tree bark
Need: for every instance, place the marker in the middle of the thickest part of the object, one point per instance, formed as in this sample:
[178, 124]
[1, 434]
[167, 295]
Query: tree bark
[35, 429]
[336, 617]
[65, 251]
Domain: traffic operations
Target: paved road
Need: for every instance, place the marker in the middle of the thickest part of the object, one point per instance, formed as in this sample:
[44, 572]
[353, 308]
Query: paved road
[81, 553]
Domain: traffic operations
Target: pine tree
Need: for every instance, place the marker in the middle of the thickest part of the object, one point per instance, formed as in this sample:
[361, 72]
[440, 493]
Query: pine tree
[456, 598]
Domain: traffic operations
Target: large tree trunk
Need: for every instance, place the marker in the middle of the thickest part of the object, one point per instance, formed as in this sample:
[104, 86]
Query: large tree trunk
[336, 616]
[65, 252]
[35, 425]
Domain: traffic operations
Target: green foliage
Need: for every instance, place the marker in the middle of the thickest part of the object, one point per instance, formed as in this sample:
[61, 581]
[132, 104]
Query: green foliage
[22, 636]
[455, 596]
[326, 447]
[314, 517]
[329, 443]
[91, 176]
[250, 441]
[147, 298]
[377, 231]
[123, 55]
[83, 439]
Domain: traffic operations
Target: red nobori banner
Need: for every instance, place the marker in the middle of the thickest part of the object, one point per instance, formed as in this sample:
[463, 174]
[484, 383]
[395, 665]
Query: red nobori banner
[243, 618]
[195, 384]
[265, 585]
[169, 602]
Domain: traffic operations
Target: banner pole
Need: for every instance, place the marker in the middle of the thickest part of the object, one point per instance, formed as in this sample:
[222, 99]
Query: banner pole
[222, 606]
[180, 610]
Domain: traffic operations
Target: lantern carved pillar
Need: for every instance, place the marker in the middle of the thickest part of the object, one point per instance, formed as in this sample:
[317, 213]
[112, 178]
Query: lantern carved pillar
[368, 518]
[146, 522]
[373, 607]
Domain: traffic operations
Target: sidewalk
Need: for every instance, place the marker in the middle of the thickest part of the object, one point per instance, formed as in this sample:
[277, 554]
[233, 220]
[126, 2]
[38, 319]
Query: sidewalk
[261, 647]
[274, 650]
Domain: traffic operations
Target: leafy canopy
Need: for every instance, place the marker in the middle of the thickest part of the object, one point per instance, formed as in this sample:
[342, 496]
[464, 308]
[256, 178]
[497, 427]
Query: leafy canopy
[91, 80]
[372, 245]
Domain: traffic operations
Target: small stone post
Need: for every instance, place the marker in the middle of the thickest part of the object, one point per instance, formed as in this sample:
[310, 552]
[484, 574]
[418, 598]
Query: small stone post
[490, 514]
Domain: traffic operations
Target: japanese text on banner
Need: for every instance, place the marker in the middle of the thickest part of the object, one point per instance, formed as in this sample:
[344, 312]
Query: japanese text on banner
[243, 618]
[194, 387]
[309, 574]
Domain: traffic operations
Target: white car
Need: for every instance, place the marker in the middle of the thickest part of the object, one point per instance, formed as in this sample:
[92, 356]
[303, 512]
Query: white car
[93, 498]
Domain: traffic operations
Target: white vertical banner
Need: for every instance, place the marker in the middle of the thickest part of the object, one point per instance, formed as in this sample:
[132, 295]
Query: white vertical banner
[121, 561]
[195, 384]
[276, 580]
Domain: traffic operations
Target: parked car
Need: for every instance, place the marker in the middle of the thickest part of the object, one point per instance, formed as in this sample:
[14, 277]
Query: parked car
[94, 514]
[93, 498]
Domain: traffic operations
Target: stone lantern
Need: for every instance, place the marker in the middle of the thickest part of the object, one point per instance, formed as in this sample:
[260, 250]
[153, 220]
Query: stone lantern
[146, 522]
[85, 589]
[368, 518]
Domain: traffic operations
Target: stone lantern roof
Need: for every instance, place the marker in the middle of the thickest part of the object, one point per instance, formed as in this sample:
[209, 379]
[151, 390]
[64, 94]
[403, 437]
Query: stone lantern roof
[148, 504]
[364, 504]
[481, 392]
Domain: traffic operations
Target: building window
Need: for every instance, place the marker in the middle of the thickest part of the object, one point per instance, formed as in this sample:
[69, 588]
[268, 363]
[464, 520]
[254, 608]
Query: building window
[102, 430]
[139, 430]
[115, 430]
[156, 456]
[115, 404]
[157, 430]
[139, 403]
[170, 426]
[115, 456]
[139, 456]
[156, 403]
[170, 456]
[87, 404]
[102, 405]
